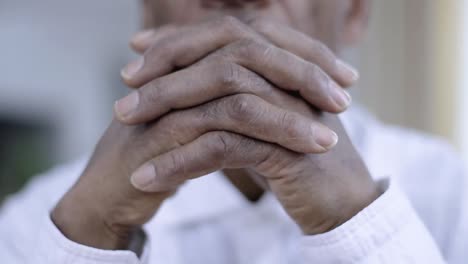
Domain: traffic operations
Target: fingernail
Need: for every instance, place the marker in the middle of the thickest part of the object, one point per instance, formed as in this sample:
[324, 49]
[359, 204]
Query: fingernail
[325, 137]
[132, 68]
[143, 177]
[340, 96]
[347, 70]
[127, 105]
[143, 37]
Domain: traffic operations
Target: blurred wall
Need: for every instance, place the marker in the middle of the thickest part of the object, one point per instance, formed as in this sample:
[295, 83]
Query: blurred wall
[414, 64]
[60, 64]
[395, 62]
[462, 85]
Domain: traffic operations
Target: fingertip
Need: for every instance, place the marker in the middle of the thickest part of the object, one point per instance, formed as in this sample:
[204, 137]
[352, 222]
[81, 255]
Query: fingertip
[143, 177]
[349, 73]
[142, 39]
[324, 137]
[334, 140]
[118, 115]
[126, 107]
[132, 84]
[339, 99]
[129, 71]
[139, 49]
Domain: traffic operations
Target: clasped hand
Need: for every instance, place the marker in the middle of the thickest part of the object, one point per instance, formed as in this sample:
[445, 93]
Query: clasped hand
[224, 94]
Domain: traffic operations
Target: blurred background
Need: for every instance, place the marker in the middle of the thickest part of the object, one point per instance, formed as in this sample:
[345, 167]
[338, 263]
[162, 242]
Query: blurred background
[60, 63]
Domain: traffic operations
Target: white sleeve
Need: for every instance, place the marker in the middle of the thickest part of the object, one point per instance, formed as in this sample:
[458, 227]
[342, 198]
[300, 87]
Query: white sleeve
[52, 247]
[387, 231]
[27, 234]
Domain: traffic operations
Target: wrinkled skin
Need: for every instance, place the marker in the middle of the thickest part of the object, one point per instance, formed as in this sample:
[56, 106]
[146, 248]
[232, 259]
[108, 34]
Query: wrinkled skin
[246, 93]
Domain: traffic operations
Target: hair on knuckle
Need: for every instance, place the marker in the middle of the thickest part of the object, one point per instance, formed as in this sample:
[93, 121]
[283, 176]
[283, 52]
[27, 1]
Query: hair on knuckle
[229, 74]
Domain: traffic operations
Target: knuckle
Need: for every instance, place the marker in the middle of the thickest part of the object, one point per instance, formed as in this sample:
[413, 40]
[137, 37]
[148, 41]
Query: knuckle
[171, 126]
[291, 124]
[240, 106]
[267, 163]
[176, 166]
[250, 48]
[323, 49]
[262, 25]
[229, 74]
[150, 93]
[162, 51]
[232, 25]
[229, 149]
[220, 144]
[235, 79]
[210, 115]
[316, 80]
[247, 145]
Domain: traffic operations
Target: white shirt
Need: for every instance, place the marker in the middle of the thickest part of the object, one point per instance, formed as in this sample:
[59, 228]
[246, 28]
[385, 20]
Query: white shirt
[422, 217]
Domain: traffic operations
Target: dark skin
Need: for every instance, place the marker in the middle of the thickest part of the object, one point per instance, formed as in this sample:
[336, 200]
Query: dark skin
[252, 96]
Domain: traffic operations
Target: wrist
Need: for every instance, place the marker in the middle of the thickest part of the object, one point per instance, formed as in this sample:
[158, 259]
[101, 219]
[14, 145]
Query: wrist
[344, 209]
[86, 226]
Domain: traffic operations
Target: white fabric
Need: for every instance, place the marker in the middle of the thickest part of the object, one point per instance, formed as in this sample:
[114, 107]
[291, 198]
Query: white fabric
[421, 217]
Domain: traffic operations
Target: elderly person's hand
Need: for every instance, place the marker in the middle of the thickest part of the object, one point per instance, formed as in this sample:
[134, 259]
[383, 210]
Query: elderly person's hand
[222, 96]
[226, 57]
